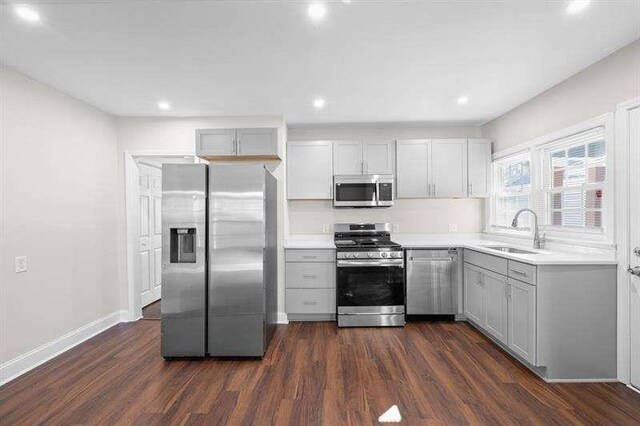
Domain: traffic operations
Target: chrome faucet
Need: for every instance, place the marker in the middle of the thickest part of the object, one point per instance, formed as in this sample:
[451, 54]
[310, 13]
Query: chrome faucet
[538, 240]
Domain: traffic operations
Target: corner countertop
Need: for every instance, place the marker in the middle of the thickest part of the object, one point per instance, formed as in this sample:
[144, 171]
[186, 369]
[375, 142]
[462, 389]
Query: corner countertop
[476, 242]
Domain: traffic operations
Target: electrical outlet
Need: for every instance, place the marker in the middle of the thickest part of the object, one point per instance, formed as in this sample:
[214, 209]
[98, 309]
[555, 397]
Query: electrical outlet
[325, 228]
[21, 264]
[453, 227]
[395, 227]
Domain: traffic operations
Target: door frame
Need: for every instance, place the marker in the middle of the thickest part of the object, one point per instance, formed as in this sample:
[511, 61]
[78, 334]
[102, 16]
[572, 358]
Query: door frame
[623, 207]
[132, 214]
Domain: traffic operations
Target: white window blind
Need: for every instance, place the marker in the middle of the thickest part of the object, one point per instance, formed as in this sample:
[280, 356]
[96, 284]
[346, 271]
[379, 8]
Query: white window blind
[573, 182]
[512, 190]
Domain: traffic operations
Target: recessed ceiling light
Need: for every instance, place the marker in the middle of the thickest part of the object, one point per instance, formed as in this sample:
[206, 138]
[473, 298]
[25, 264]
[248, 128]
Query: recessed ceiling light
[164, 105]
[346, 1]
[577, 6]
[317, 11]
[318, 103]
[27, 13]
[462, 100]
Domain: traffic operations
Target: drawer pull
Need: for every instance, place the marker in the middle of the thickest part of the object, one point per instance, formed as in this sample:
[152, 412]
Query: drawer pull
[309, 257]
[524, 274]
[310, 302]
[310, 277]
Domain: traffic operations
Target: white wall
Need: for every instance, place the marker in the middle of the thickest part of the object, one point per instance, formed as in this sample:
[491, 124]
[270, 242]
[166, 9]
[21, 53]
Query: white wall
[178, 134]
[59, 209]
[412, 215]
[592, 92]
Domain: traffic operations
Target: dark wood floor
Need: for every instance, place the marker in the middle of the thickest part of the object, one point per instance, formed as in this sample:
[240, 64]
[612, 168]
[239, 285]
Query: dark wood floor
[437, 373]
[152, 311]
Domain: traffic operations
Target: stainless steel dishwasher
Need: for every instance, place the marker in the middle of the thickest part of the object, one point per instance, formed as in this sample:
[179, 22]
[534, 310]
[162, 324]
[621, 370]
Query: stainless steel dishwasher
[433, 281]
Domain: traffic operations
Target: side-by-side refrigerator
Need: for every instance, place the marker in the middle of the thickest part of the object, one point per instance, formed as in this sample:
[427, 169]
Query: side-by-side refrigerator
[219, 259]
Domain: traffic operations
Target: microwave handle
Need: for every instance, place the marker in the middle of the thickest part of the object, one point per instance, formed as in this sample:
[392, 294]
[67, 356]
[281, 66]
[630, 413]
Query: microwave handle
[377, 192]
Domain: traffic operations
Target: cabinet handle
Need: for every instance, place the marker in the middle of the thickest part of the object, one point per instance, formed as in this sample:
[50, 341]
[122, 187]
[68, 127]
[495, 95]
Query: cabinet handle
[434, 189]
[310, 276]
[309, 257]
[523, 274]
[310, 302]
[470, 189]
[238, 146]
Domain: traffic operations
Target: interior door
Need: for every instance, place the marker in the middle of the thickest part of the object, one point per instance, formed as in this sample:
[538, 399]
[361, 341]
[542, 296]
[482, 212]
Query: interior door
[634, 245]
[150, 233]
[449, 167]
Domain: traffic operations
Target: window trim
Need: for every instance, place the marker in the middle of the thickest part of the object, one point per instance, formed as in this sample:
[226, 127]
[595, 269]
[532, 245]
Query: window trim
[535, 148]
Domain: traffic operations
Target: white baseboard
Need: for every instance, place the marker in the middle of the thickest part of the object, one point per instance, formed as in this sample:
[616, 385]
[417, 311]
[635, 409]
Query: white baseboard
[282, 318]
[580, 380]
[30, 360]
[636, 390]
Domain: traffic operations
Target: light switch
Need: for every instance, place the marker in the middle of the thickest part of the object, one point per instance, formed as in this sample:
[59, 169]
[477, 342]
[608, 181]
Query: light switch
[21, 264]
[325, 229]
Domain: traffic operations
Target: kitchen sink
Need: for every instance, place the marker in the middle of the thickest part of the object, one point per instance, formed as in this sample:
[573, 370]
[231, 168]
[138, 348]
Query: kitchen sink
[507, 249]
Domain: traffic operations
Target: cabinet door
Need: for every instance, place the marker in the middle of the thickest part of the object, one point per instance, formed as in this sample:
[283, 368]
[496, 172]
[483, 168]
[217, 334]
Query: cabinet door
[378, 157]
[522, 320]
[474, 295]
[449, 167]
[309, 170]
[263, 142]
[479, 153]
[347, 158]
[215, 142]
[495, 296]
[413, 173]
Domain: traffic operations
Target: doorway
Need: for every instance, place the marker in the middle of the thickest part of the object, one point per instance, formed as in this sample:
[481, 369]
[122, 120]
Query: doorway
[144, 229]
[628, 164]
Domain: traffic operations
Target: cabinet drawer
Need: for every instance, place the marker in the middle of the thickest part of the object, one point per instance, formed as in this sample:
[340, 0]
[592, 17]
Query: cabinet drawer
[306, 255]
[311, 301]
[486, 261]
[311, 275]
[522, 271]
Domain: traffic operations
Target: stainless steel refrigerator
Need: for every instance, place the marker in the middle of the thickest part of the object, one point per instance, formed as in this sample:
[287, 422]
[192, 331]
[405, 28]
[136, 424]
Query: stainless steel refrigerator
[219, 259]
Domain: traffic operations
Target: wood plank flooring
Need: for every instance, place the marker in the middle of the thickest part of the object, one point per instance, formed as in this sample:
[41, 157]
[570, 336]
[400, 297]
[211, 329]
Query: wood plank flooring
[437, 373]
[152, 311]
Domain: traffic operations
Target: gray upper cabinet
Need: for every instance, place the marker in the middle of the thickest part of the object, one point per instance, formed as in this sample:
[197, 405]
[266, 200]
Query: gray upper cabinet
[215, 142]
[413, 168]
[226, 144]
[347, 158]
[309, 170]
[257, 142]
[378, 157]
[449, 167]
[479, 160]
[363, 157]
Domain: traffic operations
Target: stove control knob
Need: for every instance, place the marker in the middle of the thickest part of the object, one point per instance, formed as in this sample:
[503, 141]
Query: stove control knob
[355, 254]
[384, 254]
[369, 255]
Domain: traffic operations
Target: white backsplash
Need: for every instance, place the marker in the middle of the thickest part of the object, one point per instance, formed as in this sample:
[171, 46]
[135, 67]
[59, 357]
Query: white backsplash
[407, 215]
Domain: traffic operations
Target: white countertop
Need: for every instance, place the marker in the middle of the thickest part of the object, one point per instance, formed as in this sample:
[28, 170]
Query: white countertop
[471, 241]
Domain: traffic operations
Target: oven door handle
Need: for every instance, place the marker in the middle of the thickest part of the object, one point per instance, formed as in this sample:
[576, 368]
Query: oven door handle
[364, 263]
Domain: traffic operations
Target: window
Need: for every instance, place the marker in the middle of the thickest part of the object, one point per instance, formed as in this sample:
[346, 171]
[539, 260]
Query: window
[574, 172]
[565, 178]
[512, 190]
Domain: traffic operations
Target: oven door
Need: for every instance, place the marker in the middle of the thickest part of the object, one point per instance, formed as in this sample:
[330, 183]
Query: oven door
[349, 193]
[370, 286]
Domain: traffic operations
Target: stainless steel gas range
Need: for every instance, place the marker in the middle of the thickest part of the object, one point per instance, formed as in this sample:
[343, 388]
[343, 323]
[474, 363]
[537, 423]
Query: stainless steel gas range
[370, 276]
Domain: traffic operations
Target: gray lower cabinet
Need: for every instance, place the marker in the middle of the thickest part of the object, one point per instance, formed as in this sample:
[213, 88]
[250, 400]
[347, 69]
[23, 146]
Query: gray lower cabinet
[558, 319]
[496, 295]
[310, 284]
[522, 319]
[473, 294]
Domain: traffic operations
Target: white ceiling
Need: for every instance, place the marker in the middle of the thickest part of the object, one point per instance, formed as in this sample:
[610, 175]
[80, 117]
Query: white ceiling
[373, 61]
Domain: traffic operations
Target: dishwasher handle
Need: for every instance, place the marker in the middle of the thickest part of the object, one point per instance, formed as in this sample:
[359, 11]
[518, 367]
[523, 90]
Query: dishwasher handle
[431, 259]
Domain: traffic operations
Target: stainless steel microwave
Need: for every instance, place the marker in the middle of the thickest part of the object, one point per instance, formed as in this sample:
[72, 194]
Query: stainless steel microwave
[363, 190]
